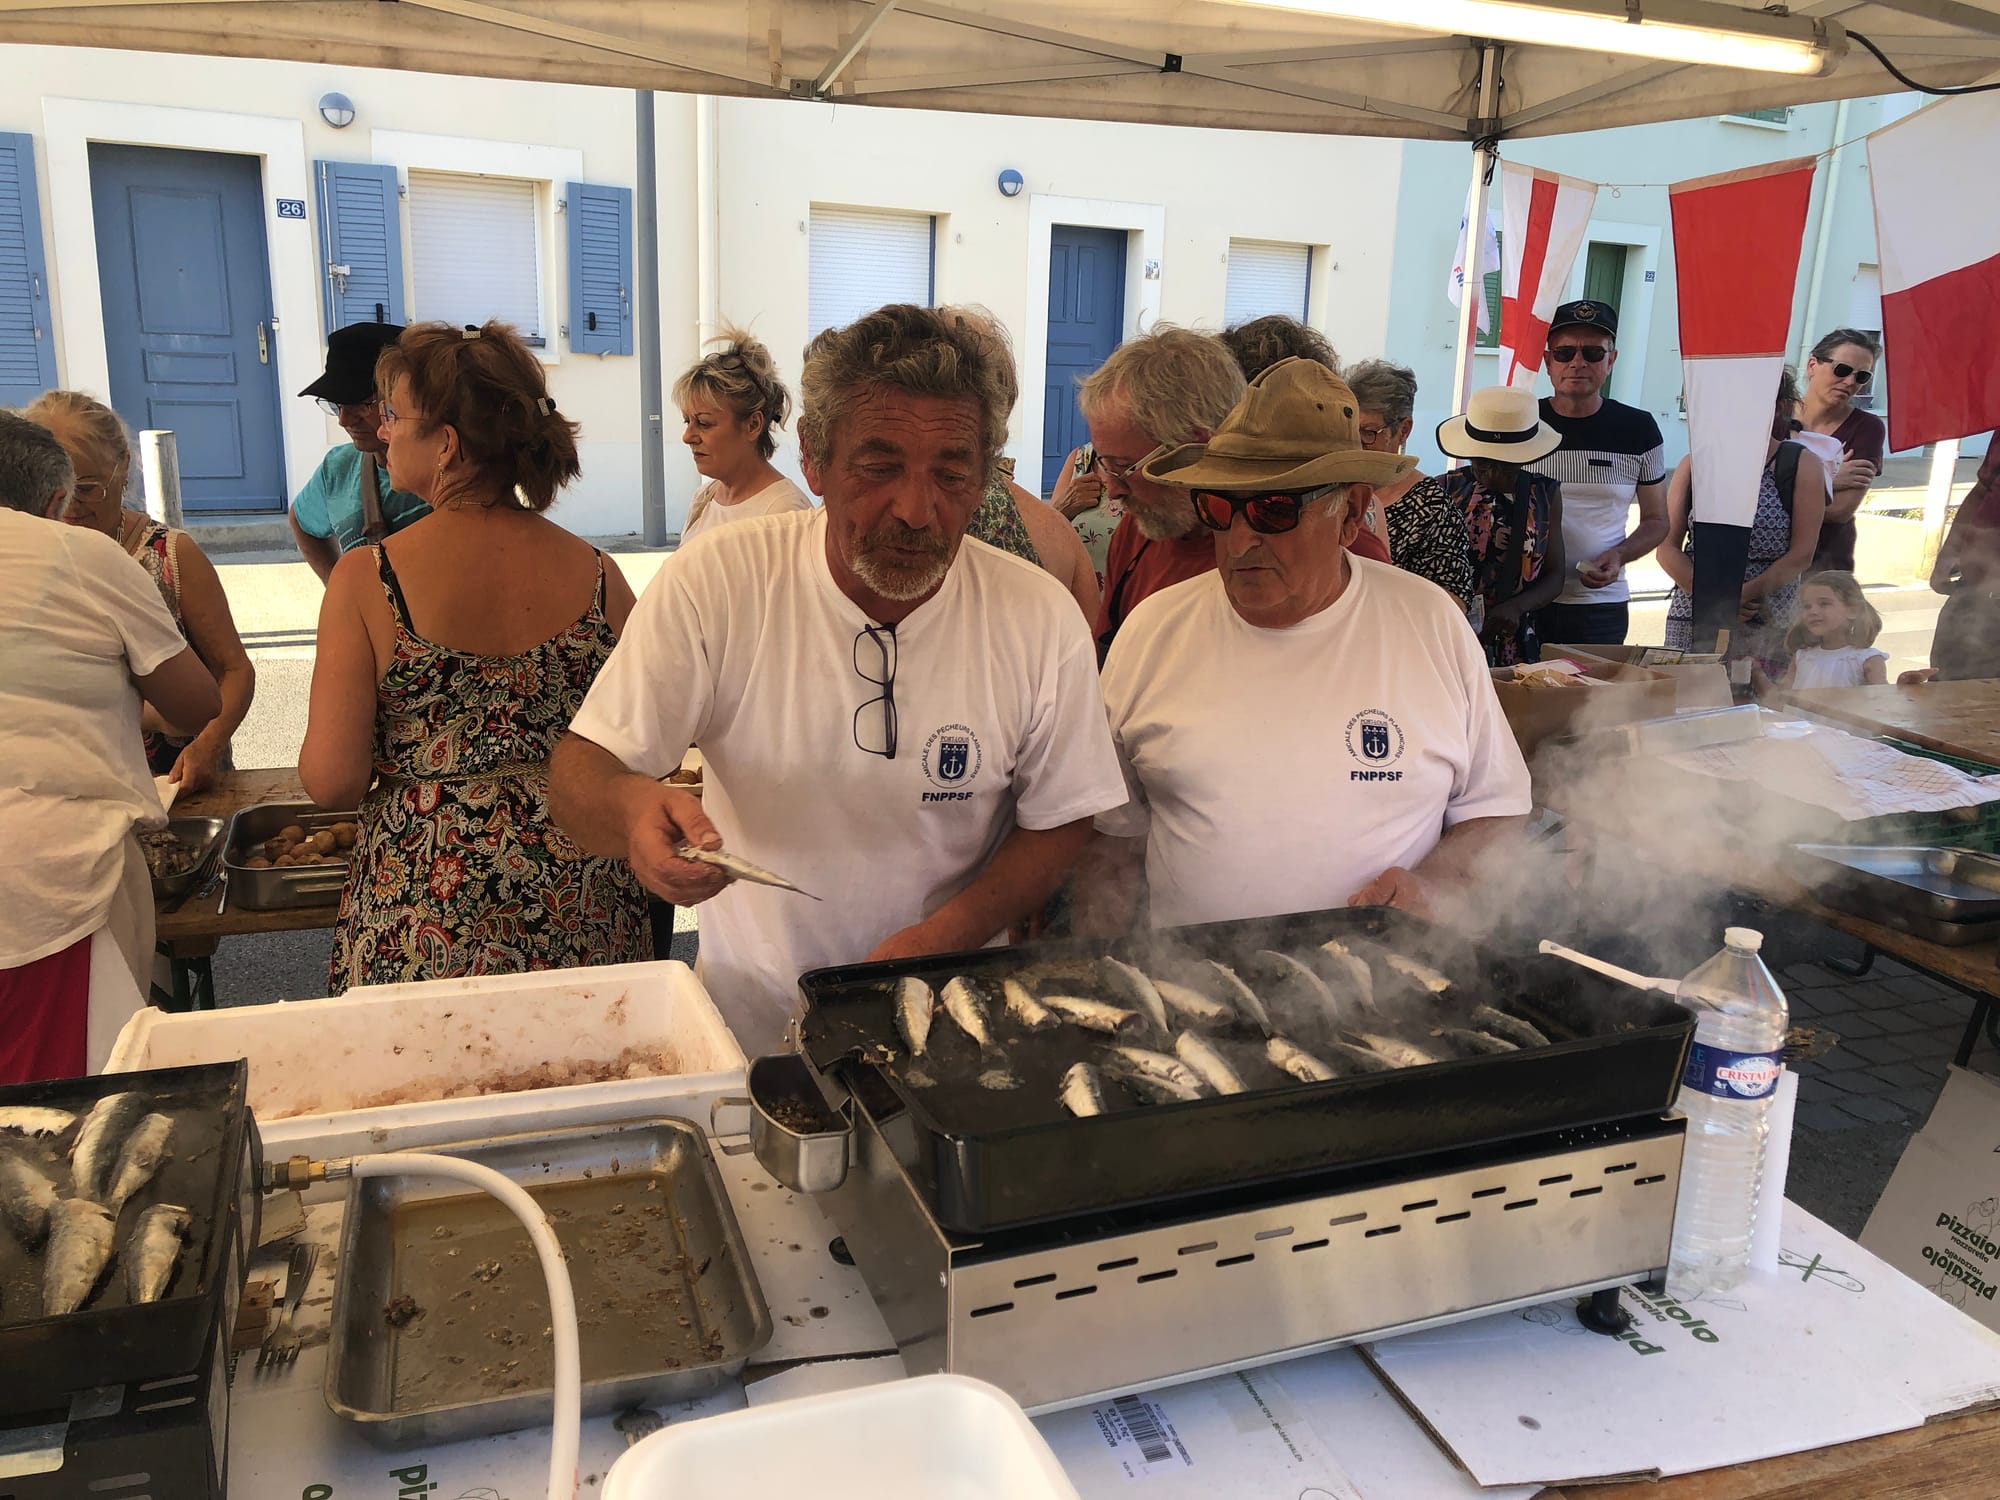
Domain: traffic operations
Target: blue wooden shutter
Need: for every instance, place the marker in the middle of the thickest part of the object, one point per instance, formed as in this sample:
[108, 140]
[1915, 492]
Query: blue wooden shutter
[27, 341]
[361, 240]
[600, 269]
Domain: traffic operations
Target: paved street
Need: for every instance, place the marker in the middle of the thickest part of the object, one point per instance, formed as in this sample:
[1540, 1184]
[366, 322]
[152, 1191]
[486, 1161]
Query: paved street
[1871, 1052]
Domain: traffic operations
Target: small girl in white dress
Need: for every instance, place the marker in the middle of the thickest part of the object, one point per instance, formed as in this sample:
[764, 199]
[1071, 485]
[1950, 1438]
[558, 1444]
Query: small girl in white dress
[1833, 643]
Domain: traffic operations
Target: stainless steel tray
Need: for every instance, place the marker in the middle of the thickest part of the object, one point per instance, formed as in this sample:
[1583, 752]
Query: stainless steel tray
[666, 1296]
[1946, 895]
[203, 834]
[295, 885]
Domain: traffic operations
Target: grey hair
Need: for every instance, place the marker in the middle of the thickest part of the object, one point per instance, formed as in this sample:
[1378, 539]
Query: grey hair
[944, 352]
[742, 378]
[1177, 384]
[33, 467]
[1262, 342]
[1860, 338]
[1379, 385]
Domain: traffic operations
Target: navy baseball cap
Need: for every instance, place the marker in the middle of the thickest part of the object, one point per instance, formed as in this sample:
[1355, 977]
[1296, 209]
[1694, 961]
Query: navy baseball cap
[1585, 314]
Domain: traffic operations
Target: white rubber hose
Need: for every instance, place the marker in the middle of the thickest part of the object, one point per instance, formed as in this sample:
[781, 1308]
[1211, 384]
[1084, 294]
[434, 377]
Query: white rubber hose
[562, 1299]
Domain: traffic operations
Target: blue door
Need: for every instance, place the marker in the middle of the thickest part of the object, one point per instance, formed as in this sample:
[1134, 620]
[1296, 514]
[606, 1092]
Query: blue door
[186, 285]
[1086, 322]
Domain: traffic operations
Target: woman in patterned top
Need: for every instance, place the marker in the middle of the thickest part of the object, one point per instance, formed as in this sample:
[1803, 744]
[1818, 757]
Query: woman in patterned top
[451, 659]
[94, 436]
[1512, 518]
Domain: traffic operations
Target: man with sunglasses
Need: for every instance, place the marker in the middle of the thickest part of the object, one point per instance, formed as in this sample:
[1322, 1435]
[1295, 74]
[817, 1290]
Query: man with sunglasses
[904, 721]
[1301, 728]
[1612, 457]
[349, 499]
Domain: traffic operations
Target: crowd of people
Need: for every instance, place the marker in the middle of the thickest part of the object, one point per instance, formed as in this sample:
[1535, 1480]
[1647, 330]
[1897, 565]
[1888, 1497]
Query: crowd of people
[935, 737]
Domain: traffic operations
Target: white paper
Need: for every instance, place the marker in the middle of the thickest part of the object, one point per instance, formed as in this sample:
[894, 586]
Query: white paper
[1768, 1232]
[168, 789]
[1844, 773]
[1831, 1347]
[1239, 1435]
[822, 1377]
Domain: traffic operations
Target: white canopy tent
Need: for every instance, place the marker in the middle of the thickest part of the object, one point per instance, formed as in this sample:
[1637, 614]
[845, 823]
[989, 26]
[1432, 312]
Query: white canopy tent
[1180, 62]
[1222, 63]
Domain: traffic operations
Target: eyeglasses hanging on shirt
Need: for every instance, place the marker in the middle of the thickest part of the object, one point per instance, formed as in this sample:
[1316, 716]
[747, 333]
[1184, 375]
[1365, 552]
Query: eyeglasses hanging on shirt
[876, 662]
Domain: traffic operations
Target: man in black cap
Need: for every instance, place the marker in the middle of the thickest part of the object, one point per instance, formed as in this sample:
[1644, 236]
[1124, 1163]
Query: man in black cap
[1610, 458]
[348, 500]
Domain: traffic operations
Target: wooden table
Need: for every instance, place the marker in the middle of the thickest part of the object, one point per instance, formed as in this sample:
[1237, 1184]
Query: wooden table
[1955, 718]
[1958, 1456]
[188, 931]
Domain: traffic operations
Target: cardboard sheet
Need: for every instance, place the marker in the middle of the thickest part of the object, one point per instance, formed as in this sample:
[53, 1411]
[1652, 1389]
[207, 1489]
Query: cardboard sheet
[1833, 1346]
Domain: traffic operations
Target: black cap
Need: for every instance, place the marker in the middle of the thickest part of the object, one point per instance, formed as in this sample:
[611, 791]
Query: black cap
[351, 353]
[1585, 314]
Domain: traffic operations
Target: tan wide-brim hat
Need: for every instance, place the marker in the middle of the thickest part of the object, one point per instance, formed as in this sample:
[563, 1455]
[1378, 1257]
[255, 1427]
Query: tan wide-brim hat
[1296, 428]
[1500, 422]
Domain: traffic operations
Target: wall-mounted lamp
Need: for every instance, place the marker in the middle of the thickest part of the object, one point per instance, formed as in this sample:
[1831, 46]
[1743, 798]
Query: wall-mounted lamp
[1011, 183]
[337, 110]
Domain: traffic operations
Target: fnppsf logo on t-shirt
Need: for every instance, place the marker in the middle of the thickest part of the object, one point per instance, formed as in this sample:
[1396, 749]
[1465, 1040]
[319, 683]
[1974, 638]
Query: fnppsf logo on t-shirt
[952, 759]
[1376, 741]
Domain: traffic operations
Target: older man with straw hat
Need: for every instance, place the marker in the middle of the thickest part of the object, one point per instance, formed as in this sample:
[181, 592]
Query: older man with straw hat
[1302, 728]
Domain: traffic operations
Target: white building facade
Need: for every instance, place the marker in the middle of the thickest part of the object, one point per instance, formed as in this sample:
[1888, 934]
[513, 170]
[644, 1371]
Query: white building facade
[178, 233]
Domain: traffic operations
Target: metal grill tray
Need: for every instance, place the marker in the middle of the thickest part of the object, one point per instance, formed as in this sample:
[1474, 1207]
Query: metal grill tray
[986, 1159]
[1887, 884]
[667, 1301]
[294, 885]
[211, 1173]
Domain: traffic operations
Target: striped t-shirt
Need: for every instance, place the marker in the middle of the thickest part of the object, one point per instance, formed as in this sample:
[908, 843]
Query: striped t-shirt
[1603, 460]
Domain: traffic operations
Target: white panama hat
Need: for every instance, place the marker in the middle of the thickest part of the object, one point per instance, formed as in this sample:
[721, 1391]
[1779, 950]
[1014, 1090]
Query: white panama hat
[1500, 422]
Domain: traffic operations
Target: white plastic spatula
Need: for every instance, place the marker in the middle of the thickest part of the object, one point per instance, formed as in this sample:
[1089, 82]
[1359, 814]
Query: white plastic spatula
[1612, 971]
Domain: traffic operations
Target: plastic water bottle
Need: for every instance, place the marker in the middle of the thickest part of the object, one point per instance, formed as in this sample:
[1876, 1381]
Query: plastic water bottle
[1726, 1091]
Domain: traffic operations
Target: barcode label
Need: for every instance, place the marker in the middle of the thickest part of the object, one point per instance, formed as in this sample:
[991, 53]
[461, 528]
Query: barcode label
[1141, 1438]
[1145, 1431]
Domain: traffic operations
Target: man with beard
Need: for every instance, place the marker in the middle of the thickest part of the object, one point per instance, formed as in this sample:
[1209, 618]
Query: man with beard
[1155, 392]
[904, 723]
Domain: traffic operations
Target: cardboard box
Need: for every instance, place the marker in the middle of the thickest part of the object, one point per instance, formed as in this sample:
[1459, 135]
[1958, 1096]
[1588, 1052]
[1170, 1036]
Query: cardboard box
[1702, 679]
[1938, 1221]
[1619, 695]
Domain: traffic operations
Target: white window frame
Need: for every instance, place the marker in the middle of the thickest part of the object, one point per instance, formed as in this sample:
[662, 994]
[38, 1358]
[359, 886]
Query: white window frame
[937, 224]
[549, 168]
[1315, 256]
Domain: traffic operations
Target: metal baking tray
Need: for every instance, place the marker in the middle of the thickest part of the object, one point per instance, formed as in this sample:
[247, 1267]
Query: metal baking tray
[989, 1158]
[666, 1294]
[201, 834]
[1900, 884]
[211, 1172]
[295, 885]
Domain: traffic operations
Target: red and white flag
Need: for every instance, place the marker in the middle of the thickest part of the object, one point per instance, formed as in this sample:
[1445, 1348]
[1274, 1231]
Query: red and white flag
[1938, 238]
[1543, 218]
[1736, 250]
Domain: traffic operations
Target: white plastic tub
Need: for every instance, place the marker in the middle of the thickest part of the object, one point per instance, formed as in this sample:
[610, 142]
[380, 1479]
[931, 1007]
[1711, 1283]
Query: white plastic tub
[938, 1437]
[371, 1070]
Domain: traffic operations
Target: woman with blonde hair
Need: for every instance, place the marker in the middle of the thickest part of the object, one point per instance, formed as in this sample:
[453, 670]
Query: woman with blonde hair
[100, 451]
[732, 405]
[451, 659]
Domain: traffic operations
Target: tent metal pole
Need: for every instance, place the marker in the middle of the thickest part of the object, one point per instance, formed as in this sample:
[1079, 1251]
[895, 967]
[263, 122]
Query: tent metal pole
[1472, 295]
[646, 273]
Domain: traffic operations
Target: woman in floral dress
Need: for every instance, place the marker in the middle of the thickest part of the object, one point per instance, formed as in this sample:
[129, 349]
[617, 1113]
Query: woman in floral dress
[451, 660]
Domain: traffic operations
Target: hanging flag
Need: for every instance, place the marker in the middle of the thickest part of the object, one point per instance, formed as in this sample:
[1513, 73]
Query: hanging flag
[1543, 218]
[1736, 249]
[1489, 261]
[1938, 241]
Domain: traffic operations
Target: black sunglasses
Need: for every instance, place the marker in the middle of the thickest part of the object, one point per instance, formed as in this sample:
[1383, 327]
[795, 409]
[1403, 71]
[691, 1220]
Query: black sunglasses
[883, 675]
[1272, 514]
[1843, 371]
[1591, 354]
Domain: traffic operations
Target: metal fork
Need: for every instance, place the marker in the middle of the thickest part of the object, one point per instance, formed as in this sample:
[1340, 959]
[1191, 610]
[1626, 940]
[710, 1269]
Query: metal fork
[281, 1348]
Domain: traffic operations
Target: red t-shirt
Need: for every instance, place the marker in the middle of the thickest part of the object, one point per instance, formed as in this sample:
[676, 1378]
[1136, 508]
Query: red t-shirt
[1135, 567]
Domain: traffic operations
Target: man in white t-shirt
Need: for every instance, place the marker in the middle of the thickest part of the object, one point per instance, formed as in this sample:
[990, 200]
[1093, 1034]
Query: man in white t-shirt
[903, 722]
[1300, 729]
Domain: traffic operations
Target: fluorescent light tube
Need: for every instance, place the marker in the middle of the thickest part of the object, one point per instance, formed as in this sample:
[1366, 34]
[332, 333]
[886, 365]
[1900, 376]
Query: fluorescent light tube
[1718, 38]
